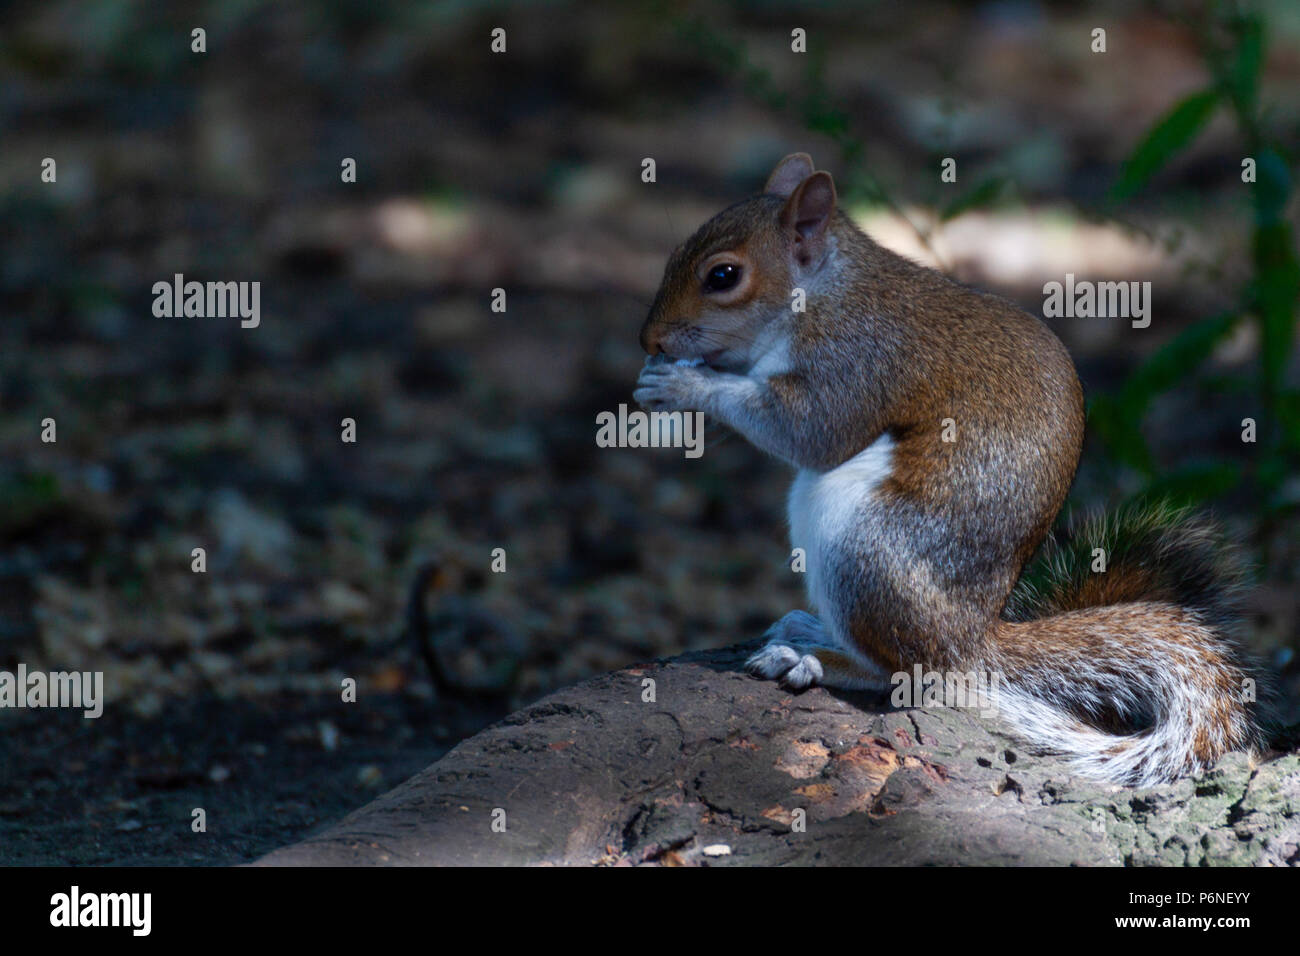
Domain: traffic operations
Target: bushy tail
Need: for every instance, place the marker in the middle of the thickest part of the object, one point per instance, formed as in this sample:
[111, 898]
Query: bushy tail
[1136, 671]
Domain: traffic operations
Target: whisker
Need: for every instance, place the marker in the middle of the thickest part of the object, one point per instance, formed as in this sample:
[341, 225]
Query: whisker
[707, 334]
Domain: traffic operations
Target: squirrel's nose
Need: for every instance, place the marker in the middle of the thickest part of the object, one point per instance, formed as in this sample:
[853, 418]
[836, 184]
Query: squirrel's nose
[650, 341]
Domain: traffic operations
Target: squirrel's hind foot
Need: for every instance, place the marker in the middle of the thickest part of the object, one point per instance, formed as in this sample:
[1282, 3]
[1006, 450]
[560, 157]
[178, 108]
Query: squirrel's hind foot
[781, 662]
[801, 653]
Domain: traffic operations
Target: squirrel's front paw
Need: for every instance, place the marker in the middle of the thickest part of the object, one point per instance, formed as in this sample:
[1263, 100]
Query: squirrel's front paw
[666, 386]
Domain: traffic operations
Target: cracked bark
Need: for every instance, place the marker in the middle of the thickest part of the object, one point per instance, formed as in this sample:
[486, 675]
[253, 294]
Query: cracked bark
[594, 775]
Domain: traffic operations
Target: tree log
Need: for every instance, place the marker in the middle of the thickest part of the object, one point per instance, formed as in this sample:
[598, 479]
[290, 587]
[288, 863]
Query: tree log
[721, 769]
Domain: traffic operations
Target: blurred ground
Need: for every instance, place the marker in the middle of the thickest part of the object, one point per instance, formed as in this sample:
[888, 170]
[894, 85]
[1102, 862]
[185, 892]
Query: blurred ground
[475, 429]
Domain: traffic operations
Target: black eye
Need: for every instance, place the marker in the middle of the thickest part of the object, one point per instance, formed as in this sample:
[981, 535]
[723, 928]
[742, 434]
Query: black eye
[722, 277]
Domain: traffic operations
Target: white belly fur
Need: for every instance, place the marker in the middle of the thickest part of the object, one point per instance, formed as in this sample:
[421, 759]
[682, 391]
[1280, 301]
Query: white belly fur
[822, 509]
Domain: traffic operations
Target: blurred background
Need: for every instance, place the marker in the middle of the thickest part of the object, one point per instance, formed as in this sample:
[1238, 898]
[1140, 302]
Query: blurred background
[475, 429]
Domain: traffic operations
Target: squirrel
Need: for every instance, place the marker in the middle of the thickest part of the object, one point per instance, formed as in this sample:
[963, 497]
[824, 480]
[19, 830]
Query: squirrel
[914, 544]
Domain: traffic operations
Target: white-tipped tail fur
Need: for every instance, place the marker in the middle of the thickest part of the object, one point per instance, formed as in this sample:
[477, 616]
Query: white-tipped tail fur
[1136, 671]
[1155, 756]
[1190, 702]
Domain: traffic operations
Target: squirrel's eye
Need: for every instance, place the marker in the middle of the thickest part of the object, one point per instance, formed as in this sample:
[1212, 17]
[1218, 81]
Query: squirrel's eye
[722, 277]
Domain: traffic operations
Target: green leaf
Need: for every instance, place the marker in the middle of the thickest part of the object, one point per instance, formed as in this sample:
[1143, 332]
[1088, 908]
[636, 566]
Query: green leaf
[1243, 74]
[1171, 133]
[1276, 290]
[1272, 187]
[1172, 362]
[1121, 432]
[1288, 414]
[982, 195]
[1195, 483]
[1117, 418]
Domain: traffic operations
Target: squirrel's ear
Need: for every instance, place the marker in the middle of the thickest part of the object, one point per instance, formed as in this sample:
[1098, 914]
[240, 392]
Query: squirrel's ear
[807, 213]
[789, 173]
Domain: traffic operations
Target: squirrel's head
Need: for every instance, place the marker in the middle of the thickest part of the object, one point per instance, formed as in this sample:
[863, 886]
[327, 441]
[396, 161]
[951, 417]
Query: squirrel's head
[735, 276]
